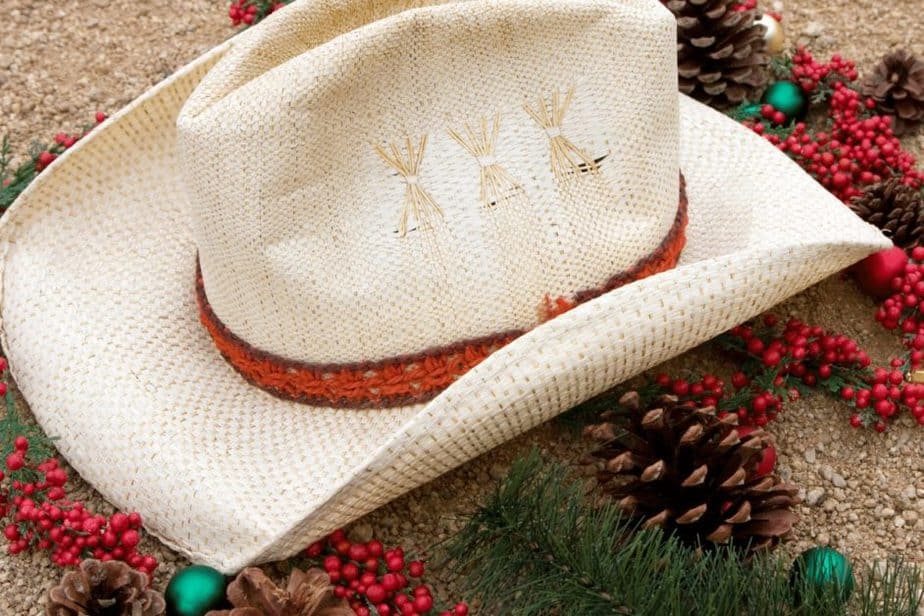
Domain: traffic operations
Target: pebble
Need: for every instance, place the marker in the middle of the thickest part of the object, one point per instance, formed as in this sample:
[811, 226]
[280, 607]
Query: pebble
[809, 455]
[838, 481]
[814, 497]
[813, 29]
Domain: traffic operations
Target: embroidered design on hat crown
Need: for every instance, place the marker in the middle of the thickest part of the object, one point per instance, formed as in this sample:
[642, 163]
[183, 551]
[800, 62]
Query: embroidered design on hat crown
[565, 157]
[418, 203]
[498, 187]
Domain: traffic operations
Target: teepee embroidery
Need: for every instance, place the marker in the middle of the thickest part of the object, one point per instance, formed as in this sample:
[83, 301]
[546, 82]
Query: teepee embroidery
[565, 156]
[497, 185]
[418, 204]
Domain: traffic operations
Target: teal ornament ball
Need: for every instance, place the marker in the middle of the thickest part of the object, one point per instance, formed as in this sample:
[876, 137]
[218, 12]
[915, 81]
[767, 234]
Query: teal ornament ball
[787, 97]
[194, 591]
[820, 571]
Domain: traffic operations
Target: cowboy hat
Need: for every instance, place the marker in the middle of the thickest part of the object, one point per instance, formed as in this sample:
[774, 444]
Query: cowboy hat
[366, 241]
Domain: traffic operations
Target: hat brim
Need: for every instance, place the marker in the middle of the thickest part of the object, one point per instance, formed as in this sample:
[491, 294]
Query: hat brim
[100, 324]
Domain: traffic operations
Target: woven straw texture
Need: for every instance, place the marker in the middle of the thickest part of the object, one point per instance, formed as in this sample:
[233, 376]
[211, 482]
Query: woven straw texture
[98, 307]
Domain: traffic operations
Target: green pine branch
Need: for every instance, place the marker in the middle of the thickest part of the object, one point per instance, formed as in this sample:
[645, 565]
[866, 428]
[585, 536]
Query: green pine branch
[13, 425]
[538, 547]
[13, 181]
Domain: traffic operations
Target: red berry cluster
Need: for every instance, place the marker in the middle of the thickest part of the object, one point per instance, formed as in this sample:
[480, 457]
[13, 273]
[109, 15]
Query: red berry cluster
[37, 515]
[707, 391]
[811, 74]
[857, 151]
[249, 12]
[375, 580]
[42, 518]
[904, 308]
[779, 364]
[62, 142]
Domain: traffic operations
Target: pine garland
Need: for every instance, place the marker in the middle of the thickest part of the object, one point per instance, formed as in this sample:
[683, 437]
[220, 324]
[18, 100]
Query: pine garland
[538, 547]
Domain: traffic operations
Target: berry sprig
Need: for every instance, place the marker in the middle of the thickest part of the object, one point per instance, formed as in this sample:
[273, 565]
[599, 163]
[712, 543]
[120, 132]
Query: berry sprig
[36, 513]
[375, 580]
[249, 12]
[818, 79]
[777, 366]
[857, 151]
[14, 181]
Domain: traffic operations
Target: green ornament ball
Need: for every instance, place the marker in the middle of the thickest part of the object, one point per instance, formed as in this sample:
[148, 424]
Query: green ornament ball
[819, 571]
[194, 591]
[788, 98]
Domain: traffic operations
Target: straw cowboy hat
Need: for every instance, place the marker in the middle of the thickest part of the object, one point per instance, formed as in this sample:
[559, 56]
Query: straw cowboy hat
[365, 241]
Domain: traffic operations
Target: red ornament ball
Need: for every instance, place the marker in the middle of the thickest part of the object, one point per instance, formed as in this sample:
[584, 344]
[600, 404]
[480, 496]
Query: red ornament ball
[875, 273]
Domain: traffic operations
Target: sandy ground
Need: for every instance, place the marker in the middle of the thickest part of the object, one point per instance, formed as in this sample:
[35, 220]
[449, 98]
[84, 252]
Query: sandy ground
[60, 62]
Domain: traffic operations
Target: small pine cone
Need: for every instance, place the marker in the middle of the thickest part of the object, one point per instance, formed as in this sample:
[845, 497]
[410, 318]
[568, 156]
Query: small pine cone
[720, 51]
[895, 208]
[897, 86]
[104, 589]
[308, 593]
[682, 468]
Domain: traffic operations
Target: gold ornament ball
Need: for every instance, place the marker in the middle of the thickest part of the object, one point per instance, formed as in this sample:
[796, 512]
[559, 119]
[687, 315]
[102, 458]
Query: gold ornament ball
[774, 38]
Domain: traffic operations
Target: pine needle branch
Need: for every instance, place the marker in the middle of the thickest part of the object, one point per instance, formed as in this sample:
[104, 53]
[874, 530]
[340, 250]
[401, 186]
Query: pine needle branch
[538, 547]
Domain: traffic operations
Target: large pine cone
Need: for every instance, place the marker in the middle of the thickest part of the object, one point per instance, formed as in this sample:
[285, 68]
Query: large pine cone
[308, 593]
[104, 589]
[895, 208]
[682, 468]
[720, 51]
[897, 86]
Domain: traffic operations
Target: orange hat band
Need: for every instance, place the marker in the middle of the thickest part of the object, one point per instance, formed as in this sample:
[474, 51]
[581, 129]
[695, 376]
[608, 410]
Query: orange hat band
[407, 379]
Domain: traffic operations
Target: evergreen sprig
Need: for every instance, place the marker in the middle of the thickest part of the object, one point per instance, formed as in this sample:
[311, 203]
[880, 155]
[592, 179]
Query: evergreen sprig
[13, 425]
[538, 547]
[13, 181]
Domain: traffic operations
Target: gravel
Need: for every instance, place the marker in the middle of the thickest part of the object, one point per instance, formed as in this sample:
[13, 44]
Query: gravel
[60, 62]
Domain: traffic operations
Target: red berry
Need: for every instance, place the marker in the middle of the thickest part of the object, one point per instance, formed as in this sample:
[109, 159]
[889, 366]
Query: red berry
[350, 572]
[376, 593]
[15, 461]
[118, 523]
[314, 550]
[461, 609]
[395, 563]
[21, 443]
[358, 552]
[423, 603]
[416, 569]
[375, 548]
[130, 538]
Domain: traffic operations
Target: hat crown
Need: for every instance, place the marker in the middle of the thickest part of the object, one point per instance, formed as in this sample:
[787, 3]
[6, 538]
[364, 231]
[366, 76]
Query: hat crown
[373, 179]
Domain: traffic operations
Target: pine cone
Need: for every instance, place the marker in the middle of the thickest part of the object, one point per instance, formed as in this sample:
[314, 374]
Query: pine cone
[682, 468]
[897, 86]
[895, 208]
[307, 594]
[99, 588]
[720, 51]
